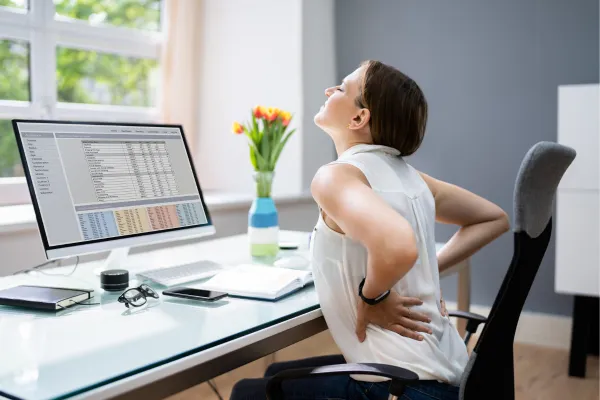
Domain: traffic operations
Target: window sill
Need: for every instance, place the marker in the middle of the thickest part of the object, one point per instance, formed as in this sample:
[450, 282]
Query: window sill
[219, 201]
[22, 217]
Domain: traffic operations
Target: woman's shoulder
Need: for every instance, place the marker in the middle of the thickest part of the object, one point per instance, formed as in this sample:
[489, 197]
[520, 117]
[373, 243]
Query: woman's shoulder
[381, 171]
[330, 177]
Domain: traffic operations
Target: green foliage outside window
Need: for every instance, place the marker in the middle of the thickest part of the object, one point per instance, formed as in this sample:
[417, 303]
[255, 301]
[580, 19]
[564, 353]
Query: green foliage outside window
[82, 76]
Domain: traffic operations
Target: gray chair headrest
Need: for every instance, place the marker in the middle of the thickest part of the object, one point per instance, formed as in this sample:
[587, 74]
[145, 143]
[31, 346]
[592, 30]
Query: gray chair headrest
[541, 171]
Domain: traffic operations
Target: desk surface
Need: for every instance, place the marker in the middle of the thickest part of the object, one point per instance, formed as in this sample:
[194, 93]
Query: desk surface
[106, 350]
[49, 356]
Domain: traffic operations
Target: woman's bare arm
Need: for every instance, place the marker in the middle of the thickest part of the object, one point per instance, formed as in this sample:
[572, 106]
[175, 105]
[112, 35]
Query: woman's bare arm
[480, 220]
[343, 192]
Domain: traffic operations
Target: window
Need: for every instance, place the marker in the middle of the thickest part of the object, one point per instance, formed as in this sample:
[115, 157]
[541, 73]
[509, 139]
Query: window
[91, 77]
[74, 60]
[19, 4]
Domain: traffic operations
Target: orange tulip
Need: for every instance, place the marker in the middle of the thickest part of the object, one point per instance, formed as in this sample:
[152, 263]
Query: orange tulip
[271, 115]
[259, 112]
[237, 128]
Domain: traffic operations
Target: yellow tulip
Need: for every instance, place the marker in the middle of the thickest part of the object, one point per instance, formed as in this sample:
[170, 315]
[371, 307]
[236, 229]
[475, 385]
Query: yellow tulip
[237, 128]
[285, 117]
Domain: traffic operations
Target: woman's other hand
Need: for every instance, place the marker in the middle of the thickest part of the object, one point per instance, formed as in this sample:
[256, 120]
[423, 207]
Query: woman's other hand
[394, 314]
[443, 309]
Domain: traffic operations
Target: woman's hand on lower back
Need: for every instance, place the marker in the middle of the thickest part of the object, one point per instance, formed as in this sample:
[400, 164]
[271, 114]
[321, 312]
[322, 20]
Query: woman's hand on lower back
[394, 314]
[443, 308]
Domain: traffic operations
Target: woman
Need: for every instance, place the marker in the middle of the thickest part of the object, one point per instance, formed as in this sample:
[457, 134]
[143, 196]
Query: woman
[376, 234]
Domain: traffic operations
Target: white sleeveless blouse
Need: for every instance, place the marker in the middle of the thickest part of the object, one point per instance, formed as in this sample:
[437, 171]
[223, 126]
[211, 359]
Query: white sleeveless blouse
[340, 263]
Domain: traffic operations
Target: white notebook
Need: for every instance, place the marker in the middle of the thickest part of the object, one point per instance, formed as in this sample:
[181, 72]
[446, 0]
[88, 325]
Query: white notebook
[257, 281]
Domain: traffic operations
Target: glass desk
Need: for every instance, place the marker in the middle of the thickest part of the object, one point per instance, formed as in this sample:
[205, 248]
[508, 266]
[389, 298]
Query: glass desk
[107, 350]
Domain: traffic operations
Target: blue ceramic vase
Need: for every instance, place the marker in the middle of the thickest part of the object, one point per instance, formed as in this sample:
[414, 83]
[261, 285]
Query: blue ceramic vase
[263, 219]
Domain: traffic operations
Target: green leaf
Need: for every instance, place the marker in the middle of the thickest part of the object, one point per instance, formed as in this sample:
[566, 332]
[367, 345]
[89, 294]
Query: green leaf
[253, 157]
[254, 123]
[265, 143]
[279, 148]
[276, 131]
[260, 161]
[248, 132]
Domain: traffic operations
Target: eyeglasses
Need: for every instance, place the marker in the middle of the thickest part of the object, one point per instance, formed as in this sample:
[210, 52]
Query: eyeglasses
[136, 297]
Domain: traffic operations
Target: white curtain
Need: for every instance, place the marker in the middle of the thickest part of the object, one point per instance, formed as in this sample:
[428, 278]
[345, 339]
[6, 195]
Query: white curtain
[180, 65]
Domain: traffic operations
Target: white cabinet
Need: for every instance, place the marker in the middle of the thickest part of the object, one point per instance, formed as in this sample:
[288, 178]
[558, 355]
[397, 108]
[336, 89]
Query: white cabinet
[578, 126]
[577, 216]
[577, 237]
[576, 223]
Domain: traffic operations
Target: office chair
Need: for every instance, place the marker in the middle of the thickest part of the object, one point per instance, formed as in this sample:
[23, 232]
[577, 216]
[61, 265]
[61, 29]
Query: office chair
[489, 373]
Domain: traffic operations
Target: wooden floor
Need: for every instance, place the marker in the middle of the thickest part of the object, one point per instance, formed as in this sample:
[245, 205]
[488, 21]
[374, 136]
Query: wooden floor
[540, 373]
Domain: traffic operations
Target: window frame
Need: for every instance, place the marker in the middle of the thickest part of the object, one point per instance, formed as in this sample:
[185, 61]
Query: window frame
[44, 31]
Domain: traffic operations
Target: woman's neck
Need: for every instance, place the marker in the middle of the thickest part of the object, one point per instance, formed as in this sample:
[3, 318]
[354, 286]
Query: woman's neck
[342, 146]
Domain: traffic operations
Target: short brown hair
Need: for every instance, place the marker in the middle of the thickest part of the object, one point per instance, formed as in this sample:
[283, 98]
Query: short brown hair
[397, 105]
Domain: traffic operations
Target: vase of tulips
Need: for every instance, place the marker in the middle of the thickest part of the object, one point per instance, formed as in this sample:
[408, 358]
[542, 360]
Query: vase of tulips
[267, 133]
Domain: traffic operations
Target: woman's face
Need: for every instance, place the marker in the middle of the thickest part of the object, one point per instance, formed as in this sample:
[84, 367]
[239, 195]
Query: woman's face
[340, 107]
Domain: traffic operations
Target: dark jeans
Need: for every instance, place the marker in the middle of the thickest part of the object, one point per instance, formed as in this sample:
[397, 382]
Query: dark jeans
[336, 387]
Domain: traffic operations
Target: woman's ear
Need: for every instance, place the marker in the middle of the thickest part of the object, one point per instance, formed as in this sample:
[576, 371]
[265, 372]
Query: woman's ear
[361, 119]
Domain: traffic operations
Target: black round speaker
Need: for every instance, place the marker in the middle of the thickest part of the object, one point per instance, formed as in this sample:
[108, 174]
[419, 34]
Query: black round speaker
[114, 280]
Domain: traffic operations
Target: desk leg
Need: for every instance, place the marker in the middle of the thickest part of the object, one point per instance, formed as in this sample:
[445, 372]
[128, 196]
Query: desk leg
[594, 339]
[583, 308]
[270, 359]
[464, 294]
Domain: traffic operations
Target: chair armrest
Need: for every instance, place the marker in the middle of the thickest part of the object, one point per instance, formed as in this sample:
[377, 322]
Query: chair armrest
[399, 376]
[473, 322]
[468, 315]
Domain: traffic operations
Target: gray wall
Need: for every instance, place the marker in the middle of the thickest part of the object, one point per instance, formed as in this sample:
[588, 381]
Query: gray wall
[490, 70]
[318, 73]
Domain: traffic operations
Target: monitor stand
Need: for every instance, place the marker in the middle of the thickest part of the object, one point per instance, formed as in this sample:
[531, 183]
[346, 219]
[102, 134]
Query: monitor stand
[115, 260]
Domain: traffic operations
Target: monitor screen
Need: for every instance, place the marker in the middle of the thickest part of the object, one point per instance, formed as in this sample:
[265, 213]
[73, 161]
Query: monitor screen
[93, 182]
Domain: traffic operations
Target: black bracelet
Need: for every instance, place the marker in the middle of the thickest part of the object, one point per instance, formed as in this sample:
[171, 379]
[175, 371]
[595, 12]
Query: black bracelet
[374, 301]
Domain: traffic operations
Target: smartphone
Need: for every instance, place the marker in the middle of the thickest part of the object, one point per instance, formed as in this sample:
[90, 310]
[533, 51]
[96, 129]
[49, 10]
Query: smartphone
[195, 294]
[288, 246]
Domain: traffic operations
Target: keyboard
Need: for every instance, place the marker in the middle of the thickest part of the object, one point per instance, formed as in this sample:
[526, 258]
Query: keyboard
[176, 275]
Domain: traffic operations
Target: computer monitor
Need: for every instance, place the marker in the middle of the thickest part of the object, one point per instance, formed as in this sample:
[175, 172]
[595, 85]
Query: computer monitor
[103, 186]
